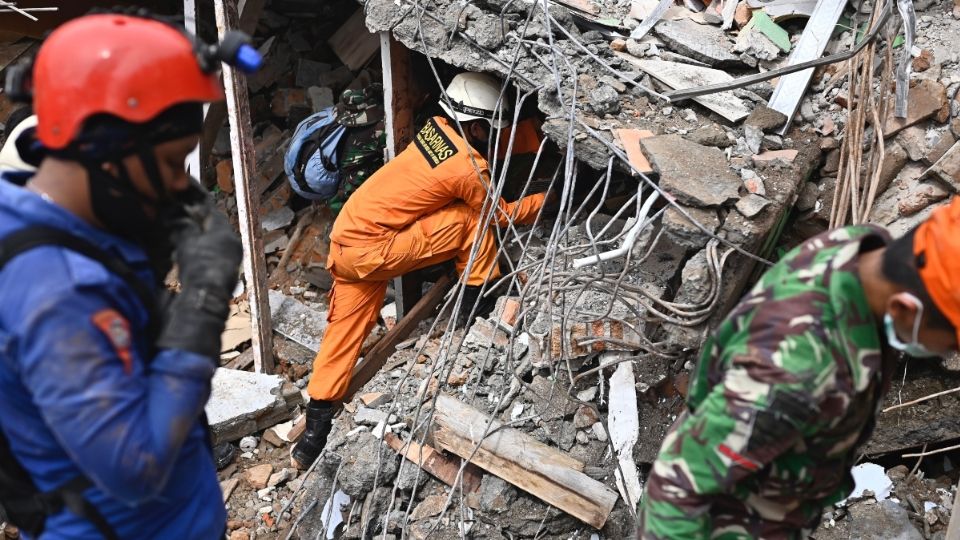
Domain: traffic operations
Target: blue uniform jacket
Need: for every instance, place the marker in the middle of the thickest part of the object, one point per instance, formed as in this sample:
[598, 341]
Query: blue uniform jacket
[78, 397]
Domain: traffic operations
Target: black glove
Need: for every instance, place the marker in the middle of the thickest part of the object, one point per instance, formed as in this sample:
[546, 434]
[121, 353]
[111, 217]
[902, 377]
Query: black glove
[208, 255]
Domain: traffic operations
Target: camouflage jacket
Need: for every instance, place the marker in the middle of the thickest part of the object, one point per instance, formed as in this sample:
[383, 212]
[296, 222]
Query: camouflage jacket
[785, 391]
[362, 155]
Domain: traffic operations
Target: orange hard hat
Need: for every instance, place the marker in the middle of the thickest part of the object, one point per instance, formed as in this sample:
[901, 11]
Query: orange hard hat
[936, 243]
[130, 67]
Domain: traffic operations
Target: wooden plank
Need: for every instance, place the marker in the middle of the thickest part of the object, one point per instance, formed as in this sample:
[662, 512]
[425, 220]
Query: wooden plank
[532, 466]
[353, 44]
[682, 76]
[630, 140]
[377, 357]
[248, 206]
[791, 88]
[444, 468]
[398, 122]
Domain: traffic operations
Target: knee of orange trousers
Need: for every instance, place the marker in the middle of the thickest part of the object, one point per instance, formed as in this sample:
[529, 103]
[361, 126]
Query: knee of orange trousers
[354, 307]
[485, 266]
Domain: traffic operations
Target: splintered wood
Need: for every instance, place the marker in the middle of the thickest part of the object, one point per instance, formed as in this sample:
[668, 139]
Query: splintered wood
[543, 471]
[444, 468]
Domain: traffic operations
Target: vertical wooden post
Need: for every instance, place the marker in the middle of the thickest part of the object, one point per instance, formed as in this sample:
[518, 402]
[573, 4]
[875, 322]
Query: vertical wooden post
[190, 23]
[395, 60]
[248, 204]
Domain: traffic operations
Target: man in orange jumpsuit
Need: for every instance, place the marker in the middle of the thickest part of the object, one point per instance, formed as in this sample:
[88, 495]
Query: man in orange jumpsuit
[420, 209]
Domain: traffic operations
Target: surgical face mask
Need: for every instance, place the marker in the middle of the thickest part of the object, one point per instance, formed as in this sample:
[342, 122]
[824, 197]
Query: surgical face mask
[914, 348]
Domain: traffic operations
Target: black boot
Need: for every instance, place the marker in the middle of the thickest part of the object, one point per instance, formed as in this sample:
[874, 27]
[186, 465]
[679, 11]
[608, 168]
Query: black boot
[319, 421]
[467, 312]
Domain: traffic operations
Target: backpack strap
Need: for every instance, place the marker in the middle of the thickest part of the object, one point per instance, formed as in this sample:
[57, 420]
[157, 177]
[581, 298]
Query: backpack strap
[39, 235]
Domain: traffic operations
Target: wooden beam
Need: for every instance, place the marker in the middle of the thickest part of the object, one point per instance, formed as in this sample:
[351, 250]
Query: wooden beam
[248, 206]
[444, 468]
[378, 355]
[398, 124]
[525, 462]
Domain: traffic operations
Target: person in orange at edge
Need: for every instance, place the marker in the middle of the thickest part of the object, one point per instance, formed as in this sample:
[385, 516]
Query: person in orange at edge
[420, 209]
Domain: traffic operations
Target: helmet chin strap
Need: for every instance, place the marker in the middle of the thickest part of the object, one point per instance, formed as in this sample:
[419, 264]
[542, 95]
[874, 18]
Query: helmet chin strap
[123, 210]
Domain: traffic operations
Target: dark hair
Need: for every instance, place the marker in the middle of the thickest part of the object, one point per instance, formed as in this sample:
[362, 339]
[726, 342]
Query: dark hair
[900, 266]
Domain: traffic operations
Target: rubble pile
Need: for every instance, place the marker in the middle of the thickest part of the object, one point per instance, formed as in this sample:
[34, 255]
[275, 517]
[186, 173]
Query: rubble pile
[573, 379]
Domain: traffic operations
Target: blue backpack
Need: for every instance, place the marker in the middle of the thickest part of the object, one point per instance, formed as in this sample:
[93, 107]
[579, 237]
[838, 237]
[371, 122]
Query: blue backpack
[313, 157]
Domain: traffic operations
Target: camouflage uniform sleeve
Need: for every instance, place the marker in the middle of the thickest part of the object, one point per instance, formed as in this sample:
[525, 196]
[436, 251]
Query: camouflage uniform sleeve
[777, 357]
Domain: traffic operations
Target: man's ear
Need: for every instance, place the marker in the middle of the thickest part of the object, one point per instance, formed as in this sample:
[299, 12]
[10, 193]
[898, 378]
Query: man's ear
[902, 307]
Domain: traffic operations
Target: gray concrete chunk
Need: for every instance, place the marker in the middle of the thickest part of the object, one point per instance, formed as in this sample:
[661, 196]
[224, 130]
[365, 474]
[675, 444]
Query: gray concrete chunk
[705, 43]
[295, 321]
[696, 175]
[242, 403]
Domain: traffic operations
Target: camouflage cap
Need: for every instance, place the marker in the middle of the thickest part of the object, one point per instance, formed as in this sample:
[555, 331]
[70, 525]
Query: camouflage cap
[358, 108]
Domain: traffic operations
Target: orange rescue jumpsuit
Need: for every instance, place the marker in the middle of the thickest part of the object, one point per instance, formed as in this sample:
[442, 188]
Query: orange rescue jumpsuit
[420, 209]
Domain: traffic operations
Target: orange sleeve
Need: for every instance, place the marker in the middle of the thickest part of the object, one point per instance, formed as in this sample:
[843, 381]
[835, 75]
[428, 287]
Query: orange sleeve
[473, 191]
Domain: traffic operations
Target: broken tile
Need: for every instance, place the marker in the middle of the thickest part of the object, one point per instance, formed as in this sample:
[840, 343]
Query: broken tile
[927, 98]
[707, 44]
[754, 45]
[227, 487]
[375, 399]
[773, 31]
[630, 141]
[770, 156]
[258, 475]
[750, 205]
[696, 175]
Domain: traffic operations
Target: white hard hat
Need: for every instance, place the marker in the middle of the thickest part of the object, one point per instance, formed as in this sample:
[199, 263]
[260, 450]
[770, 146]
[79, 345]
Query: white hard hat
[473, 96]
[10, 159]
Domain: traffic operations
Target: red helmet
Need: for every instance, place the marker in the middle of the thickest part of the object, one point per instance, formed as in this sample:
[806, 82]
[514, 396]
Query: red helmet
[130, 67]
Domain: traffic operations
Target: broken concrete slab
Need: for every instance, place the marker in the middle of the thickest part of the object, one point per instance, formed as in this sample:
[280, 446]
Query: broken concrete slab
[927, 98]
[686, 233]
[682, 76]
[293, 320]
[707, 44]
[309, 72]
[696, 175]
[242, 403]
